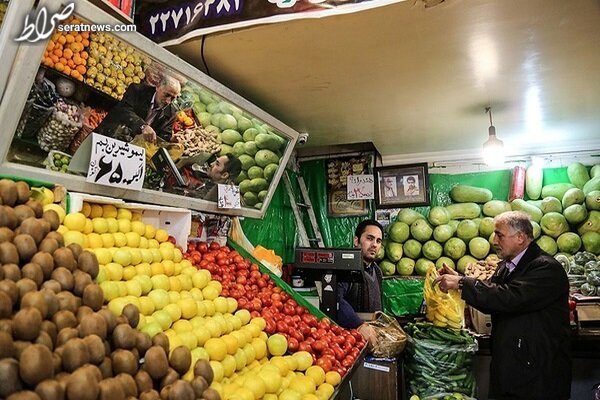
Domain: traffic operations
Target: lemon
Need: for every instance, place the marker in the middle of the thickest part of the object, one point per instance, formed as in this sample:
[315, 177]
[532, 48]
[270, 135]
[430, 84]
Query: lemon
[94, 240]
[86, 209]
[75, 222]
[124, 225]
[123, 213]
[89, 227]
[150, 231]
[108, 240]
[216, 349]
[109, 211]
[58, 210]
[113, 225]
[136, 216]
[103, 255]
[161, 235]
[72, 237]
[100, 225]
[95, 211]
[138, 227]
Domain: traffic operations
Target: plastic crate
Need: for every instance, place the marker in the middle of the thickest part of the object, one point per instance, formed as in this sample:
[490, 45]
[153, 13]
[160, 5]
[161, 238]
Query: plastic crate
[176, 221]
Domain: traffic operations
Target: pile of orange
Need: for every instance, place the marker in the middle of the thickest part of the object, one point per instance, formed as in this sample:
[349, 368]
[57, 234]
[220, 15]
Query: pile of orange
[65, 51]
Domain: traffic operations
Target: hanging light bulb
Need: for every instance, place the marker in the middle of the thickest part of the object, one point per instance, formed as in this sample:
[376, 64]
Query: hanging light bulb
[493, 148]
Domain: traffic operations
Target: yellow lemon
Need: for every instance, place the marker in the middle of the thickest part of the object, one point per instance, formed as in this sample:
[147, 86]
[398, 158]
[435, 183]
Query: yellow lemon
[124, 225]
[138, 227]
[109, 211]
[89, 227]
[73, 237]
[86, 209]
[108, 240]
[123, 213]
[161, 235]
[136, 216]
[95, 211]
[133, 239]
[150, 231]
[100, 225]
[120, 239]
[113, 225]
[94, 240]
[57, 209]
[75, 222]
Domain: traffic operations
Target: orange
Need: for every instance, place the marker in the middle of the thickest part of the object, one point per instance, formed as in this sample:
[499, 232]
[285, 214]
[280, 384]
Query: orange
[83, 55]
[58, 52]
[81, 69]
[85, 42]
[54, 58]
[70, 38]
[71, 63]
[61, 39]
[59, 66]
[75, 74]
[78, 60]
[67, 70]
[78, 38]
[68, 54]
[51, 45]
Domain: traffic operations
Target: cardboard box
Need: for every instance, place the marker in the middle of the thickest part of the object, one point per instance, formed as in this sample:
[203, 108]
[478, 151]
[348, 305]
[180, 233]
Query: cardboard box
[176, 221]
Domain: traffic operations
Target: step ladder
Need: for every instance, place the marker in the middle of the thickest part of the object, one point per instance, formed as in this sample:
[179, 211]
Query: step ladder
[305, 241]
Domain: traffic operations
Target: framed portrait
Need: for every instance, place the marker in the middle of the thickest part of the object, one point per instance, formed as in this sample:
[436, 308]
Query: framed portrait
[402, 186]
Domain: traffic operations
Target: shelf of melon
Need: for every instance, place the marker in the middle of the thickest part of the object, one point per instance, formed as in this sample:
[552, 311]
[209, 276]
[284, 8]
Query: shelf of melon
[139, 266]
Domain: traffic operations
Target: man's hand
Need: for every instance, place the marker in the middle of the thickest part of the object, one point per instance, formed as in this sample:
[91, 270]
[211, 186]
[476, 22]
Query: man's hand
[448, 278]
[368, 333]
[149, 134]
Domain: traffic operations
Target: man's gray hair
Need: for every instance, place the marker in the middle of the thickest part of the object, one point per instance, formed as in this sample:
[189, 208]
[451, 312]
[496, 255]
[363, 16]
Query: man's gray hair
[517, 221]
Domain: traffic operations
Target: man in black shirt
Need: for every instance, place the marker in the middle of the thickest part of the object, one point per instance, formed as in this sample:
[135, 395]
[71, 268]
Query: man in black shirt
[364, 296]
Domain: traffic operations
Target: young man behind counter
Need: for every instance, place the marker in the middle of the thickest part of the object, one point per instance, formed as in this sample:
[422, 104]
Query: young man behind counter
[365, 296]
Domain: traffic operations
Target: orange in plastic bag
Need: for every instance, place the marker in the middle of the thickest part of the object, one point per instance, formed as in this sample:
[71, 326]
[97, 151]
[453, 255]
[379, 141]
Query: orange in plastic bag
[443, 309]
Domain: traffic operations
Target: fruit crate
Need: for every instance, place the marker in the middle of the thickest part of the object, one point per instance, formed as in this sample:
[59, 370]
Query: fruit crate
[176, 221]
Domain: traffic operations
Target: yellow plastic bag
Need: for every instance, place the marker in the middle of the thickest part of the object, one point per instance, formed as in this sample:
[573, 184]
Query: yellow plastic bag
[391, 339]
[269, 259]
[443, 309]
[175, 149]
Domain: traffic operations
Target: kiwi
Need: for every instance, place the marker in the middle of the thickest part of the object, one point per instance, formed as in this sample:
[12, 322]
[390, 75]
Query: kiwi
[9, 376]
[50, 389]
[36, 206]
[95, 347]
[31, 226]
[87, 262]
[180, 359]
[111, 389]
[170, 377]
[199, 385]
[124, 361]
[52, 218]
[50, 328]
[20, 345]
[6, 325]
[26, 247]
[37, 300]
[23, 192]
[64, 319]
[7, 346]
[34, 272]
[75, 354]
[52, 286]
[75, 249]
[93, 324]
[51, 301]
[93, 296]
[24, 395]
[8, 192]
[23, 212]
[11, 289]
[181, 390]
[45, 340]
[9, 254]
[11, 271]
[202, 368]
[106, 368]
[211, 394]
[63, 257]
[67, 301]
[25, 285]
[128, 384]
[5, 305]
[6, 234]
[81, 281]
[64, 277]
[156, 362]
[44, 260]
[121, 319]
[56, 236]
[142, 342]
[57, 362]
[164, 392]
[48, 245]
[35, 364]
[109, 318]
[150, 394]
[82, 312]
[82, 385]
[123, 337]
[8, 218]
[143, 381]
[65, 335]
[161, 340]
[27, 324]
[131, 312]
[1, 274]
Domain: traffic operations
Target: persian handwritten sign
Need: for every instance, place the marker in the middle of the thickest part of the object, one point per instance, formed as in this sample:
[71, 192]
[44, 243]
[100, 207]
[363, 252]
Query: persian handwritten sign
[229, 196]
[361, 187]
[116, 163]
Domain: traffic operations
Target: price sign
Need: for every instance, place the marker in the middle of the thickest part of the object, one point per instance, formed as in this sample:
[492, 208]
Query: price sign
[116, 163]
[229, 196]
[361, 187]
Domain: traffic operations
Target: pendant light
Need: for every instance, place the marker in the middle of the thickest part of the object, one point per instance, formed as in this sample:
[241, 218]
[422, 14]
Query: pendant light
[493, 148]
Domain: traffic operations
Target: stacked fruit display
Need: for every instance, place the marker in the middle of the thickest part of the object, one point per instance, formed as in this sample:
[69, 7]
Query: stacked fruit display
[56, 339]
[195, 139]
[565, 220]
[66, 51]
[332, 347]
[113, 65]
[257, 145]
[583, 271]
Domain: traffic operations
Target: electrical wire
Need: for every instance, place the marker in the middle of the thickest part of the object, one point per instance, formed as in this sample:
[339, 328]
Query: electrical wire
[202, 55]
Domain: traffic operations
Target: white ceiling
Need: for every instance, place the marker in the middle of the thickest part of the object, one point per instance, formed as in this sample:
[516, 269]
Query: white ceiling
[415, 80]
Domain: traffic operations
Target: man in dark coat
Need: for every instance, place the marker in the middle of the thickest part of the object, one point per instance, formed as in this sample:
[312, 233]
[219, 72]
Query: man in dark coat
[527, 298]
[365, 296]
[144, 109]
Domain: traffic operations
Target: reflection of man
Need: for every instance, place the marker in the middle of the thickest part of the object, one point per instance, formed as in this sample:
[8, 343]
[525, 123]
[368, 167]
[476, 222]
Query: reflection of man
[144, 109]
[364, 296]
[223, 171]
[389, 187]
[410, 189]
[528, 300]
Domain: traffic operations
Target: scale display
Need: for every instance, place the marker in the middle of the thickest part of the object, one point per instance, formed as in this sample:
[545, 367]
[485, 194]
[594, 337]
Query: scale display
[328, 259]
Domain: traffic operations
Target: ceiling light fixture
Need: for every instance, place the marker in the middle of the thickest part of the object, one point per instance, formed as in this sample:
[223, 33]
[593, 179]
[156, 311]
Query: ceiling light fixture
[493, 148]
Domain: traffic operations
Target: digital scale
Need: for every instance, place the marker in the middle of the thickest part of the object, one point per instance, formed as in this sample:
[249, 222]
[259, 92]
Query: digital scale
[330, 265]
